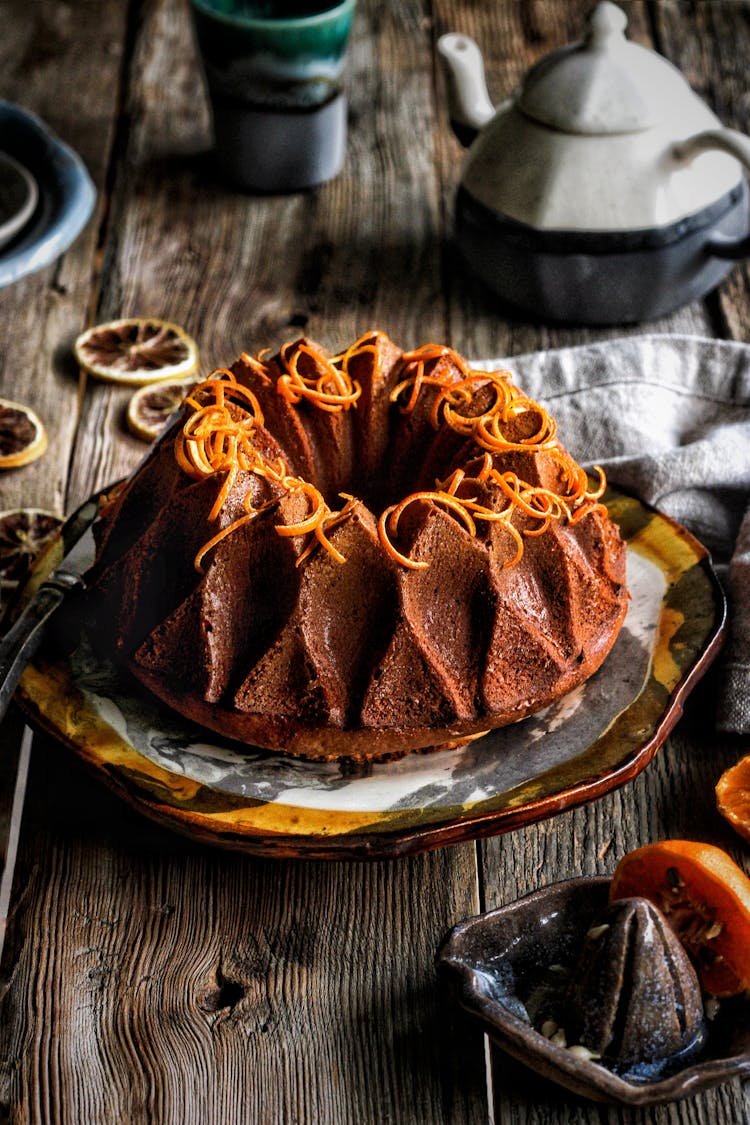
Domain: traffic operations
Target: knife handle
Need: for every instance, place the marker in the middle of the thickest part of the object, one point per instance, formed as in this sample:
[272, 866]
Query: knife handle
[22, 640]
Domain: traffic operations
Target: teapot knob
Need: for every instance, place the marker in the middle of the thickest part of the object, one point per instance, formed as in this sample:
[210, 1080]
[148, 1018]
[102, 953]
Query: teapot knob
[605, 23]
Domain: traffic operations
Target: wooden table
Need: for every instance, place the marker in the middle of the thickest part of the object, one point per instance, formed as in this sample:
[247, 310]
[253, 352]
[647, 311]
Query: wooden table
[148, 979]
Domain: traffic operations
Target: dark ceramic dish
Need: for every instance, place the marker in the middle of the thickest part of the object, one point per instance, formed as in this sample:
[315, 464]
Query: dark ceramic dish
[498, 960]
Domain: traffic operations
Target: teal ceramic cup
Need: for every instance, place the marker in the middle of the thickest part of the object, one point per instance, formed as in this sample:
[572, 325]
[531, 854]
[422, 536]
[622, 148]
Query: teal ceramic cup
[273, 72]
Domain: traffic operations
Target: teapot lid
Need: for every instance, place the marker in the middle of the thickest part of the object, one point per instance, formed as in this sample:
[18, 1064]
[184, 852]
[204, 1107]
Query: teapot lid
[605, 84]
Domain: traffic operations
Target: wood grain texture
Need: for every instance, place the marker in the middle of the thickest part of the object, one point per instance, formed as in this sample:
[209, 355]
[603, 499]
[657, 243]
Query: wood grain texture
[11, 730]
[41, 46]
[264, 992]
[147, 979]
[188, 985]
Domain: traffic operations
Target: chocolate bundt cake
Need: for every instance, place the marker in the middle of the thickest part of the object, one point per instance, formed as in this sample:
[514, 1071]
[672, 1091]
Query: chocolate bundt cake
[360, 555]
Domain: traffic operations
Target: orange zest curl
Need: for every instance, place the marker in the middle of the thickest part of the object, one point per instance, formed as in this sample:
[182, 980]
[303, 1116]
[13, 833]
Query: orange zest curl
[327, 523]
[217, 437]
[488, 428]
[330, 388]
[256, 364]
[250, 514]
[417, 359]
[454, 395]
[536, 503]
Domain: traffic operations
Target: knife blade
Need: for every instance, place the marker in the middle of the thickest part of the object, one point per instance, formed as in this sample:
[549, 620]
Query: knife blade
[21, 642]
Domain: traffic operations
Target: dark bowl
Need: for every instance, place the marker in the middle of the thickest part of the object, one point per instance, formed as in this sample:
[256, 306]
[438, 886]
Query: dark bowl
[494, 959]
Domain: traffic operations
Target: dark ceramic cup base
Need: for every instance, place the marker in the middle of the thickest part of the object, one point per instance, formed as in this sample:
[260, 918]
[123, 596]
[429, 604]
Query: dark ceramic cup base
[602, 277]
[270, 150]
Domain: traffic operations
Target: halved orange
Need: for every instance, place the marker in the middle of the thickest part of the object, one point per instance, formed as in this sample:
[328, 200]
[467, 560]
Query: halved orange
[151, 407]
[23, 437]
[705, 897]
[136, 350]
[733, 796]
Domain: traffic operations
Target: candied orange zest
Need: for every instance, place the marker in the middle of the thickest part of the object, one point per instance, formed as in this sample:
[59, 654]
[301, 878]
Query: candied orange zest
[486, 428]
[198, 560]
[388, 522]
[327, 524]
[312, 521]
[368, 343]
[534, 502]
[256, 364]
[411, 564]
[331, 388]
[463, 393]
[215, 440]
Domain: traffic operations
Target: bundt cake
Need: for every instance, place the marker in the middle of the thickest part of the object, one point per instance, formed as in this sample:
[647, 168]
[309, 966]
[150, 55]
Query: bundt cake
[360, 555]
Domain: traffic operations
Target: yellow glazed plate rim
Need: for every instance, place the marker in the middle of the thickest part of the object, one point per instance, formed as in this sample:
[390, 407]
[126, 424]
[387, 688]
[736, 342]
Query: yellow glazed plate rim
[596, 738]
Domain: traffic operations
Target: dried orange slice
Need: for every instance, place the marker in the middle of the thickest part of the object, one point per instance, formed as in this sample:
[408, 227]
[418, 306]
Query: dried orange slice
[705, 897]
[151, 407]
[137, 350]
[23, 437]
[733, 796]
[24, 534]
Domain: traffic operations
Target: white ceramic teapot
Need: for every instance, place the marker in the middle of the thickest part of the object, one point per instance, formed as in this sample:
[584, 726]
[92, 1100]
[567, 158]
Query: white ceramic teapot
[605, 191]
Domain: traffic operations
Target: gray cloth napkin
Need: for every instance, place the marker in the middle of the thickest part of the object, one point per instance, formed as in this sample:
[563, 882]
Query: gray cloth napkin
[668, 417]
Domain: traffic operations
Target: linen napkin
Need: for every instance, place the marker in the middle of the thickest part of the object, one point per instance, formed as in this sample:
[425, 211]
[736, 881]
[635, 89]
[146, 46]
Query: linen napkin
[668, 418]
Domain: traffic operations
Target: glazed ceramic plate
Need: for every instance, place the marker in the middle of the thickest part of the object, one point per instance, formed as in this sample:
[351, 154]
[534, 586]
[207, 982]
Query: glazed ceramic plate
[499, 964]
[592, 740]
[66, 194]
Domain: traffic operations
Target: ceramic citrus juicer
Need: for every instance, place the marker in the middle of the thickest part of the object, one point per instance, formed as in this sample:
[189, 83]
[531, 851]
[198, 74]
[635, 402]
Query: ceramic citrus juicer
[604, 191]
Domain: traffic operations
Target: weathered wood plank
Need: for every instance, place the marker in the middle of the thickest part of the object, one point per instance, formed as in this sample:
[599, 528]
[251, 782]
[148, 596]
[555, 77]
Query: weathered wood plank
[41, 47]
[181, 984]
[710, 43]
[242, 271]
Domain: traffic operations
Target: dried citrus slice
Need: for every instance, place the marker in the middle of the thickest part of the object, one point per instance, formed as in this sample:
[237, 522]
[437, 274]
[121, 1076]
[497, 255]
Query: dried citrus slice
[705, 897]
[151, 407]
[733, 796]
[24, 533]
[23, 437]
[137, 350]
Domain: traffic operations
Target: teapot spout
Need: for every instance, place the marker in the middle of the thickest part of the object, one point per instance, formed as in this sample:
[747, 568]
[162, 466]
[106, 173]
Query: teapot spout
[469, 104]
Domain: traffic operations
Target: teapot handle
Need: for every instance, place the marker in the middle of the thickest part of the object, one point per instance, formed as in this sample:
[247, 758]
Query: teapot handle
[737, 145]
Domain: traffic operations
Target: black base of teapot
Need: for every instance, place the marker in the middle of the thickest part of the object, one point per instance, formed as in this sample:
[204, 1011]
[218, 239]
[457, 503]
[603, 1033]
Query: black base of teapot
[602, 277]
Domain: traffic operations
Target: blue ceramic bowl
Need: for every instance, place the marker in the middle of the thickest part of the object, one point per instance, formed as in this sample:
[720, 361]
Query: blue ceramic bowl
[66, 193]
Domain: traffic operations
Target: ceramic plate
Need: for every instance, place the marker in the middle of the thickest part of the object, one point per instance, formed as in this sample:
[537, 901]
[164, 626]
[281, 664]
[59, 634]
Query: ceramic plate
[66, 194]
[592, 740]
[504, 962]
